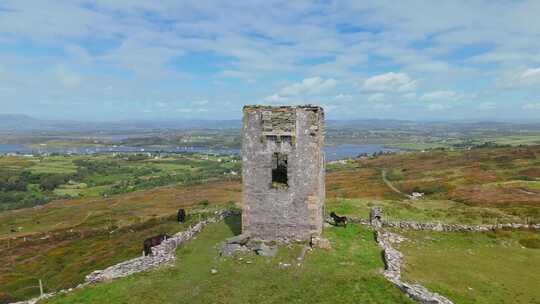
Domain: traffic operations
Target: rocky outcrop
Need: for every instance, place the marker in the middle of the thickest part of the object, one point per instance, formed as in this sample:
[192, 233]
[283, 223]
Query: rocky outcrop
[244, 244]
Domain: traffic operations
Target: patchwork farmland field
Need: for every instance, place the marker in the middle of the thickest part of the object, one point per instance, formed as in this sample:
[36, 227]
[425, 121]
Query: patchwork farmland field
[31, 181]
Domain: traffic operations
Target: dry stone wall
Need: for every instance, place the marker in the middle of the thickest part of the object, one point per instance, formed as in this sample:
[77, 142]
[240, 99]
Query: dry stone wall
[458, 227]
[161, 254]
[393, 260]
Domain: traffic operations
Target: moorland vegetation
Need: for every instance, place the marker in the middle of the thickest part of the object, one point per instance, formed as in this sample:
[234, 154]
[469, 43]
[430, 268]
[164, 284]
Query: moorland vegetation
[66, 239]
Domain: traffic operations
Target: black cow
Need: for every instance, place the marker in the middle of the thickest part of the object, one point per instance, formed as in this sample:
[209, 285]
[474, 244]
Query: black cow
[153, 241]
[339, 220]
[181, 215]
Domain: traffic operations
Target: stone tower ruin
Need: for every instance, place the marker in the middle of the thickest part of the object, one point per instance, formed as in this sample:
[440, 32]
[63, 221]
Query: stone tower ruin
[283, 172]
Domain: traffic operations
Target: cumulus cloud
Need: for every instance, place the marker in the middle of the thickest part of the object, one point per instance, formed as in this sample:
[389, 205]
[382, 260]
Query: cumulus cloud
[247, 77]
[531, 106]
[390, 82]
[343, 97]
[410, 95]
[382, 106]
[530, 76]
[307, 87]
[438, 107]
[136, 48]
[376, 97]
[487, 106]
[68, 78]
[521, 78]
[441, 96]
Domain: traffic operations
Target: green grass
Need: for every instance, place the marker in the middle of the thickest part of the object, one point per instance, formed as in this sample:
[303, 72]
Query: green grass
[428, 210]
[67, 192]
[417, 146]
[494, 267]
[348, 273]
[54, 164]
[515, 140]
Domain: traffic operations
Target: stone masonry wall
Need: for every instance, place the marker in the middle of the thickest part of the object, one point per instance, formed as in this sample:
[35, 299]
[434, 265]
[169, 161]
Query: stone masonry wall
[294, 212]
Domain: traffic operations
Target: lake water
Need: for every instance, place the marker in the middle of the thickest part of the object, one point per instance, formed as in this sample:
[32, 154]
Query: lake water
[332, 153]
[13, 148]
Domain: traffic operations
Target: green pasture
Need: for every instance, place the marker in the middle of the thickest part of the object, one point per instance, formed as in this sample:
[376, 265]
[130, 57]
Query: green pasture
[430, 210]
[494, 267]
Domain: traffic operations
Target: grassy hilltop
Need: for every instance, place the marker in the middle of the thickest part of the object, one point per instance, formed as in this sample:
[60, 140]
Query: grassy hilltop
[346, 274]
[68, 238]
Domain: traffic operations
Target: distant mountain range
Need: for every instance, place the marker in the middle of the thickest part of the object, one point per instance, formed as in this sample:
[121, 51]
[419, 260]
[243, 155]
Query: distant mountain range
[24, 123]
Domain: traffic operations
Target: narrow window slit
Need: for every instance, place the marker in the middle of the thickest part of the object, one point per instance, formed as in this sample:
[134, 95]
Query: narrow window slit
[279, 171]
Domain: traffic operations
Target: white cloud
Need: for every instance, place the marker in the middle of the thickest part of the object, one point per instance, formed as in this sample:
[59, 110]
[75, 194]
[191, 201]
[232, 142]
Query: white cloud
[382, 106]
[531, 106]
[307, 87]
[273, 98]
[487, 106]
[247, 77]
[376, 97]
[530, 75]
[201, 102]
[441, 96]
[67, 77]
[438, 107]
[410, 95]
[343, 97]
[390, 82]
[106, 43]
[522, 78]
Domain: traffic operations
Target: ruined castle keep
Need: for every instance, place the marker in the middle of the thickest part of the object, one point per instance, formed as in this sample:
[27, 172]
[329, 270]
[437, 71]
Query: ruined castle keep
[283, 172]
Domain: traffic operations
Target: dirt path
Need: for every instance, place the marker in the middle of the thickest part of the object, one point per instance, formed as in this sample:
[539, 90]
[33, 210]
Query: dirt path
[527, 191]
[389, 184]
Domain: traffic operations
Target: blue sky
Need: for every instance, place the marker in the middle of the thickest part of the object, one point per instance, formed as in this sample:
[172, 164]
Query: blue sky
[124, 59]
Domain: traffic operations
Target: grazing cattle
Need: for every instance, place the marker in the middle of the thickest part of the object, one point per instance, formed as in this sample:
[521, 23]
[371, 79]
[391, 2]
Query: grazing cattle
[181, 215]
[339, 220]
[153, 241]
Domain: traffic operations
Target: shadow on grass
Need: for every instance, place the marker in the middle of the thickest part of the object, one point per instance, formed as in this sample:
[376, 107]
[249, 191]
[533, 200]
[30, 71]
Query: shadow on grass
[234, 223]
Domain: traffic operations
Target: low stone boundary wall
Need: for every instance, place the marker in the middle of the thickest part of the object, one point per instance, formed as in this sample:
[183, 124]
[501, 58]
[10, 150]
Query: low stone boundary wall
[458, 227]
[448, 227]
[393, 260]
[162, 254]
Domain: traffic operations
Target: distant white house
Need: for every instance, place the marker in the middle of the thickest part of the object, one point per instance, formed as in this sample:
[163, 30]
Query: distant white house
[415, 195]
